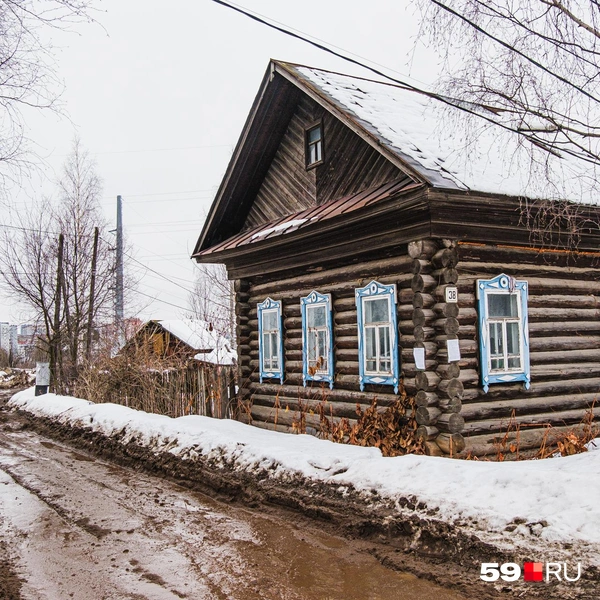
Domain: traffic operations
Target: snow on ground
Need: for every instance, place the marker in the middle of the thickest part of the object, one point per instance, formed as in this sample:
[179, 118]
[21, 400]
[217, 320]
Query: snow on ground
[552, 500]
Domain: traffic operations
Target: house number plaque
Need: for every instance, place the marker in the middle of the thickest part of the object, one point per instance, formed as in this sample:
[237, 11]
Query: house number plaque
[451, 294]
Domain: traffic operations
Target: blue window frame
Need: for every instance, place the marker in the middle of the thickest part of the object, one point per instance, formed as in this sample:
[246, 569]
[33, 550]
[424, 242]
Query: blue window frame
[377, 335]
[270, 340]
[503, 331]
[317, 336]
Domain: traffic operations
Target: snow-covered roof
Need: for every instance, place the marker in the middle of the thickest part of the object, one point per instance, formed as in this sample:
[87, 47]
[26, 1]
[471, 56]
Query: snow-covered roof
[198, 335]
[428, 136]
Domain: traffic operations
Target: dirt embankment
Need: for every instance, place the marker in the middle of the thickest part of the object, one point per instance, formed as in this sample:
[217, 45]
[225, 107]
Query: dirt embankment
[412, 540]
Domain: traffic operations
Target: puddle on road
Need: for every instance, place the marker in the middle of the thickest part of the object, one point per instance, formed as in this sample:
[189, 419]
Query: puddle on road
[314, 565]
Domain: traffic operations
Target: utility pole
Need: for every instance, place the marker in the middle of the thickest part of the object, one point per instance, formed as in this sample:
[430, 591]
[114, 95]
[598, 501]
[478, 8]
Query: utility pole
[119, 273]
[88, 348]
[55, 346]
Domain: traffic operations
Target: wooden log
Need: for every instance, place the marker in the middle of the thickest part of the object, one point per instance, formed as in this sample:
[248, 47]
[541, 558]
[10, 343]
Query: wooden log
[448, 370]
[422, 248]
[420, 265]
[405, 296]
[321, 392]
[410, 370]
[553, 419]
[503, 409]
[446, 257]
[464, 331]
[423, 283]
[421, 334]
[426, 433]
[566, 301]
[450, 405]
[560, 370]
[447, 309]
[421, 316]
[423, 398]
[451, 443]
[453, 388]
[566, 356]
[447, 276]
[450, 423]
[316, 280]
[560, 343]
[422, 300]
[426, 380]
[432, 449]
[467, 348]
[427, 415]
[449, 325]
[528, 439]
[344, 304]
[545, 328]
[241, 285]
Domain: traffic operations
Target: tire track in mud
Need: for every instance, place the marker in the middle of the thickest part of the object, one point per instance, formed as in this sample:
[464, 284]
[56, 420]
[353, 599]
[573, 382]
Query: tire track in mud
[413, 541]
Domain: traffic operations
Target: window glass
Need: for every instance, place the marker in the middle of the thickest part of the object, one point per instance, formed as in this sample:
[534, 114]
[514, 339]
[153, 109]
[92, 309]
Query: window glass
[269, 320]
[314, 145]
[502, 305]
[377, 311]
[316, 316]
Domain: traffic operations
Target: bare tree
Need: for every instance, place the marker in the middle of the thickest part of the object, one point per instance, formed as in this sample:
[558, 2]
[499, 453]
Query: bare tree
[213, 300]
[27, 69]
[531, 69]
[28, 261]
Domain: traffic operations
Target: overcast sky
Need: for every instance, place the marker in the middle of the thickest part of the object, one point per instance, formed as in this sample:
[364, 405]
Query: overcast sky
[158, 93]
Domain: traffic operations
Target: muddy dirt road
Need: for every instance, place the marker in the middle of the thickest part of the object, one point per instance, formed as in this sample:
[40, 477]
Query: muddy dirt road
[78, 527]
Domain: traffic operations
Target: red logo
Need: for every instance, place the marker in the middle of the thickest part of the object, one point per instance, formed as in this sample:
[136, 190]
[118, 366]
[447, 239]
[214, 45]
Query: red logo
[533, 571]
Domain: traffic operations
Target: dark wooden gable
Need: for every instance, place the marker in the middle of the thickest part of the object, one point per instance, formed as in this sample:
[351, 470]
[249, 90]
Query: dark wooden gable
[350, 165]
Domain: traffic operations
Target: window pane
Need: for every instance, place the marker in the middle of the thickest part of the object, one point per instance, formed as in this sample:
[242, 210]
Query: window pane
[269, 318]
[496, 339]
[312, 346]
[371, 348]
[502, 305]
[266, 350]
[274, 351]
[497, 363]
[512, 338]
[514, 362]
[377, 311]
[314, 134]
[316, 316]
[384, 342]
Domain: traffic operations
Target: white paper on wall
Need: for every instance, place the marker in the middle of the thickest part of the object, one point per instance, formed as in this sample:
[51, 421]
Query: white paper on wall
[453, 350]
[419, 354]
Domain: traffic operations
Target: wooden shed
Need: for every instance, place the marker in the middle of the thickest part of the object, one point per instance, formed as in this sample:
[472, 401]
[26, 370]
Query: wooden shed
[373, 253]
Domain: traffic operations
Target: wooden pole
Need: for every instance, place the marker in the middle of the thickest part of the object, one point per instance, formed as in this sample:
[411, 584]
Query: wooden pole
[55, 346]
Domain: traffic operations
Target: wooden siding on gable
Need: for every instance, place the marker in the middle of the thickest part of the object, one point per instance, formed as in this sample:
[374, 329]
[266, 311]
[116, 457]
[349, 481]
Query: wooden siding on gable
[287, 187]
[350, 165]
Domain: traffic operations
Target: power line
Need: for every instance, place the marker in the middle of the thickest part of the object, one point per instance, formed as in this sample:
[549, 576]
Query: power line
[454, 102]
[164, 301]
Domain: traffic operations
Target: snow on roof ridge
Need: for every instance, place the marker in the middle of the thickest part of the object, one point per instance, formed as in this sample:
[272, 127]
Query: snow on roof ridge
[416, 124]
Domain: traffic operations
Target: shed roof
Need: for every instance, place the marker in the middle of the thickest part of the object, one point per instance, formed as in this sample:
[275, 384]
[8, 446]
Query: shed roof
[210, 346]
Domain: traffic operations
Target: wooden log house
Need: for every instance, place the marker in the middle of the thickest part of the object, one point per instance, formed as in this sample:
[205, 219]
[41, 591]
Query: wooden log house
[367, 259]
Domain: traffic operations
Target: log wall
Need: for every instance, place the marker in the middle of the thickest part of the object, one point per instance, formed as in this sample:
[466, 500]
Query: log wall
[281, 407]
[564, 329]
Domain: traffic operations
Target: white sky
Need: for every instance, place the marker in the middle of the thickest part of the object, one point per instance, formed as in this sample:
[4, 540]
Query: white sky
[158, 93]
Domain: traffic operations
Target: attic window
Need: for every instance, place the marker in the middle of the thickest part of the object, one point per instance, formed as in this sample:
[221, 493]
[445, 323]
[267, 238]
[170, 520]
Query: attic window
[314, 145]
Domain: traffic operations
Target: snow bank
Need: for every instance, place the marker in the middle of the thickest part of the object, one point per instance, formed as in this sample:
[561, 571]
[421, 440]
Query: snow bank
[554, 500]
